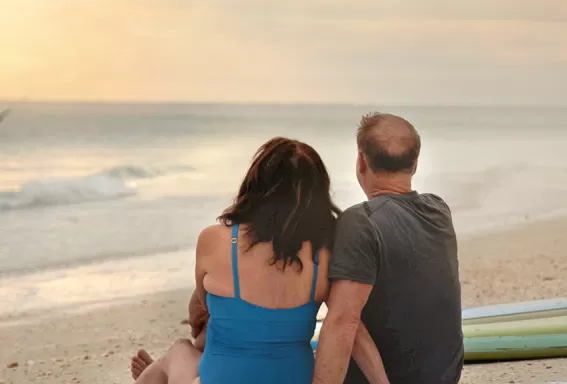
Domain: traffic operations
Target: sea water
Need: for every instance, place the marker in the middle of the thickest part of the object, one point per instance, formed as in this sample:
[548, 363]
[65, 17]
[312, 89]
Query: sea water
[103, 201]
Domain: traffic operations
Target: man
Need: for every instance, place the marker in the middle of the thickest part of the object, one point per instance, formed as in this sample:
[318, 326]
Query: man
[394, 269]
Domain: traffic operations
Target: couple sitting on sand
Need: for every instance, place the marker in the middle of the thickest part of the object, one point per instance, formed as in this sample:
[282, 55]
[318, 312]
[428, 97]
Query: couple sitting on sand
[386, 268]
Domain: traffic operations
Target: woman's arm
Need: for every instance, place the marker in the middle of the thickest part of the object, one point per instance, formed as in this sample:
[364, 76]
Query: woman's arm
[198, 315]
[198, 311]
[203, 248]
[367, 357]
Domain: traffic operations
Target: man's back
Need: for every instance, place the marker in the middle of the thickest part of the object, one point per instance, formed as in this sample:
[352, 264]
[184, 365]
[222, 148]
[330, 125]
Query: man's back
[414, 310]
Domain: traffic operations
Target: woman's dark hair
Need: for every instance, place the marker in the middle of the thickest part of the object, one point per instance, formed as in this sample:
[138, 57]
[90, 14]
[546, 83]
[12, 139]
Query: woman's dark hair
[285, 198]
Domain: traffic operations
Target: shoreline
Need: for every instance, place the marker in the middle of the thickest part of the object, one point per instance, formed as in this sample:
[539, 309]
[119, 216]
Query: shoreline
[88, 284]
[151, 267]
[93, 342]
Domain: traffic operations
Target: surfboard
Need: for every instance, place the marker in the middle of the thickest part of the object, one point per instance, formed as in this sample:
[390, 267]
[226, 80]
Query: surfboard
[526, 310]
[532, 329]
[520, 339]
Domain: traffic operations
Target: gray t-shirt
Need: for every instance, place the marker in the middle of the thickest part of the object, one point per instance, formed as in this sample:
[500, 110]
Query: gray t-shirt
[405, 246]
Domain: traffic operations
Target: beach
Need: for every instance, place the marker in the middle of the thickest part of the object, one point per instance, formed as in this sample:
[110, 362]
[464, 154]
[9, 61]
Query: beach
[94, 344]
[527, 263]
[127, 127]
[101, 205]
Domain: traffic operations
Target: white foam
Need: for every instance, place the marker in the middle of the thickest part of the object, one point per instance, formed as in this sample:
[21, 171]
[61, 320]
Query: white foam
[66, 191]
[107, 185]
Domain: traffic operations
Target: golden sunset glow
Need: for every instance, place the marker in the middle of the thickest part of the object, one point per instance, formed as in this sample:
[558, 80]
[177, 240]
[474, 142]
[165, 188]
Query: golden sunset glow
[252, 50]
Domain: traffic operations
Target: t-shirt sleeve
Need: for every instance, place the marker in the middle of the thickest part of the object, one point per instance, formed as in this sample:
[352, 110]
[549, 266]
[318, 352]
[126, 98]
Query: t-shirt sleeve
[356, 249]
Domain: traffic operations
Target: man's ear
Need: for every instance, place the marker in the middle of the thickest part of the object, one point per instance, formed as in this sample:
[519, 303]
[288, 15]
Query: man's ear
[414, 170]
[361, 164]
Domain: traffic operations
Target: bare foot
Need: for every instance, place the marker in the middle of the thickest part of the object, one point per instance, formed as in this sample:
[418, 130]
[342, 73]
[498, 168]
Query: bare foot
[140, 362]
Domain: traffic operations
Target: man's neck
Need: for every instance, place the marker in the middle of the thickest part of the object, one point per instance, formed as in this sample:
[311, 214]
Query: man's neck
[389, 185]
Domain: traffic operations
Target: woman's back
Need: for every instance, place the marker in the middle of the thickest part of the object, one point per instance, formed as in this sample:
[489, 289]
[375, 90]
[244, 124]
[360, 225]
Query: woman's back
[262, 275]
[263, 272]
[262, 317]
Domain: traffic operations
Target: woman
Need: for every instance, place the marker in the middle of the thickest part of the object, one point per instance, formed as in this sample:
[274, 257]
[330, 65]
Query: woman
[262, 273]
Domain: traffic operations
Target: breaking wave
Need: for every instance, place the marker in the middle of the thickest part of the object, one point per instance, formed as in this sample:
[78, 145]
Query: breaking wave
[111, 184]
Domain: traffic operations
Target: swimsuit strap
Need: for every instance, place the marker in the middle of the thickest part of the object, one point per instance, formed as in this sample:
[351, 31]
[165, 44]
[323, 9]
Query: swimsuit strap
[234, 241]
[315, 270]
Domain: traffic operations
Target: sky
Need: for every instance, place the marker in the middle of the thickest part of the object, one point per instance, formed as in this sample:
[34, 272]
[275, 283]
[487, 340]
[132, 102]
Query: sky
[293, 51]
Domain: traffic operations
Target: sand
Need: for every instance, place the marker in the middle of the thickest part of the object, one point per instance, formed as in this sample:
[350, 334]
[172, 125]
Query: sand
[93, 345]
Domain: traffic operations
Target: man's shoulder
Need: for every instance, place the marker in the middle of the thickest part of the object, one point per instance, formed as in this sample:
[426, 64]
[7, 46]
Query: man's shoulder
[359, 213]
[355, 218]
[368, 207]
[436, 200]
[389, 201]
[354, 210]
[433, 197]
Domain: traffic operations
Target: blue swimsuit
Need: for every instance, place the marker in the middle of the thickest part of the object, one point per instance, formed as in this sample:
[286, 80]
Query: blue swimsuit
[250, 344]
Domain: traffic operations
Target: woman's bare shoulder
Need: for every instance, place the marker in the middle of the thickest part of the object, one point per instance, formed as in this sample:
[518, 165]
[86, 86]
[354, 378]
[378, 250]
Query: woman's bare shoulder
[211, 237]
[213, 231]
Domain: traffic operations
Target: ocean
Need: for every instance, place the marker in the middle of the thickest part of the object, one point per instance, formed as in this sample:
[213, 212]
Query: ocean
[100, 202]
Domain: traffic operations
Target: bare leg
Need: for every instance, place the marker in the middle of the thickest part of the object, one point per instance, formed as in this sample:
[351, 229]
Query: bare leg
[180, 365]
[143, 360]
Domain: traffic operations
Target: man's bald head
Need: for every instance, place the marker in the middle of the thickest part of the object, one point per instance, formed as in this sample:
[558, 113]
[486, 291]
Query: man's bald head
[388, 142]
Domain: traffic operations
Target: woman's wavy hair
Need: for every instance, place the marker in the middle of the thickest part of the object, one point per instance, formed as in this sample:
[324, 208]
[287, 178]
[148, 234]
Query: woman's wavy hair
[285, 198]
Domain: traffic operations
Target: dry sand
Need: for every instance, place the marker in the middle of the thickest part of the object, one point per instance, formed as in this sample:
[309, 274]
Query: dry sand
[94, 346]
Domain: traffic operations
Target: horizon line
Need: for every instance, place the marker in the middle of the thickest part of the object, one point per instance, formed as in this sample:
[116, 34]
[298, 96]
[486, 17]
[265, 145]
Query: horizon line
[274, 103]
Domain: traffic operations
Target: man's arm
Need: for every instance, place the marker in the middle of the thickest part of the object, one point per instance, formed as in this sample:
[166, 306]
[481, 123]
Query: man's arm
[353, 268]
[367, 357]
[346, 301]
